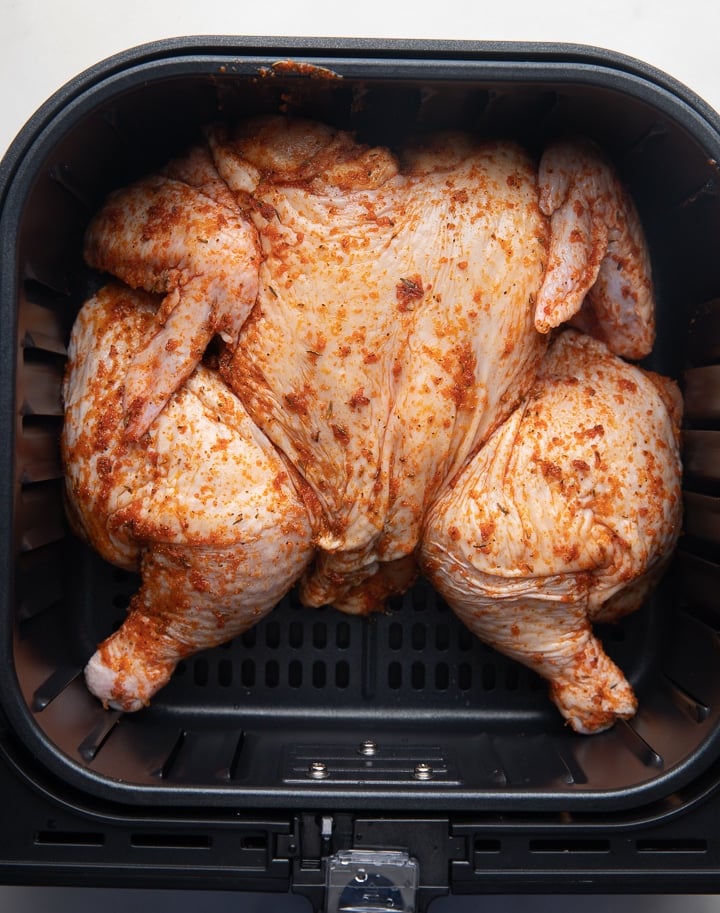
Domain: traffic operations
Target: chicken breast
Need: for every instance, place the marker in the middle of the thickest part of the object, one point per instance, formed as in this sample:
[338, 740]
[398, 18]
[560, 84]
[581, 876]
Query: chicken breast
[386, 284]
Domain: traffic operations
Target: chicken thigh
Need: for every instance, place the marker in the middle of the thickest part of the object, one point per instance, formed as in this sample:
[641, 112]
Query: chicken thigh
[565, 517]
[201, 507]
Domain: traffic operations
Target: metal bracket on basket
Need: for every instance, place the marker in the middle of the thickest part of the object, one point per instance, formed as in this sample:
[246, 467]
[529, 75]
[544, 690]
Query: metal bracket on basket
[371, 881]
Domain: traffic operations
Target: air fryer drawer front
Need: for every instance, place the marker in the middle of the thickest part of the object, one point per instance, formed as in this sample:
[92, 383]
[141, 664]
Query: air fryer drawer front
[311, 709]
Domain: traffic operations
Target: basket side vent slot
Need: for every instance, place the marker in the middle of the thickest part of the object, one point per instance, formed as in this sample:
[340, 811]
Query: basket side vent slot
[702, 460]
[42, 383]
[53, 686]
[702, 517]
[637, 745]
[704, 335]
[40, 580]
[41, 515]
[38, 450]
[202, 756]
[698, 711]
[701, 394]
[94, 741]
[700, 586]
[45, 320]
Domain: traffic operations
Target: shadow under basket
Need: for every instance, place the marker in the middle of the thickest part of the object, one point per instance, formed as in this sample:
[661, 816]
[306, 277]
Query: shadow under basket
[312, 712]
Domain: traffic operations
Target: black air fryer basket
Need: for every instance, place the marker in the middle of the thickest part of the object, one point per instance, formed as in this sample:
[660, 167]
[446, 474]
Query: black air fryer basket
[319, 745]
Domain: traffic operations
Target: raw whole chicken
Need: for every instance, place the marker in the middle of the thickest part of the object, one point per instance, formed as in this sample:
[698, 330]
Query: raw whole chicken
[383, 319]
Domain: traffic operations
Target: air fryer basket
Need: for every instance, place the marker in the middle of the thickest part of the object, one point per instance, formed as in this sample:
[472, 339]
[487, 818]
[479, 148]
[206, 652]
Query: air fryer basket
[314, 717]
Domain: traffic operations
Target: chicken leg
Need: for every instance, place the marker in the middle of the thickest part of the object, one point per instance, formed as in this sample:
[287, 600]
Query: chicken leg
[565, 516]
[202, 506]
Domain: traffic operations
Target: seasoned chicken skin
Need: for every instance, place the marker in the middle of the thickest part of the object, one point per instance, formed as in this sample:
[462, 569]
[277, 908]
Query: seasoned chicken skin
[381, 317]
[180, 234]
[398, 292]
[565, 517]
[202, 506]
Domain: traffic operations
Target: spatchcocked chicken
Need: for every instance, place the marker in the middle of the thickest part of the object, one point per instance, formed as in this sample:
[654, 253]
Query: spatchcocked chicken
[389, 392]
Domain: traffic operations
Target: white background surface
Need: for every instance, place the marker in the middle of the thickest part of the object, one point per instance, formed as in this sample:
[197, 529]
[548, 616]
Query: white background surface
[43, 43]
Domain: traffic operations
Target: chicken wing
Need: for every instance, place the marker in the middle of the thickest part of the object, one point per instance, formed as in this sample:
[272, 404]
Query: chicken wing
[179, 234]
[598, 273]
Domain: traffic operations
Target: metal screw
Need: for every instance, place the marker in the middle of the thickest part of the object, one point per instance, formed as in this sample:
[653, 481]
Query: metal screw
[368, 748]
[423, 771]
[318, 770]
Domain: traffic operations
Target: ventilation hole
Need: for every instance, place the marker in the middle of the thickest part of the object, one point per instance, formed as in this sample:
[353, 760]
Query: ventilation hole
[319, 635]
[272, 674]
[342, 636]
[395, 636]
[512, 677]
[254, 842]
[677, 845]
[319, 674]
[200, 672]
[295, 635]
[272, 635]
[247, 673]
[171, 841]
[225, 673]
[569, 846]
[121, 600]
[69, 838]
[419, 637]
[442, 676]
[464, 676]
[417, 676]
[295, 674]
[395, 676]
[249, 638]
[442, 637]
[342, 674]
[488, 677]
[465, 639]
